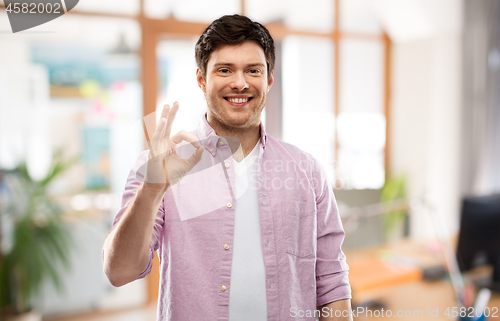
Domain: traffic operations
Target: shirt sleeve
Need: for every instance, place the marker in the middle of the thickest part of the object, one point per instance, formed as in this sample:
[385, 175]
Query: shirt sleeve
[332, 282]
[134, 181]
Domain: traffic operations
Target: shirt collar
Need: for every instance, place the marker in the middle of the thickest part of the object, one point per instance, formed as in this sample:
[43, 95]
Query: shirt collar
[208, 138]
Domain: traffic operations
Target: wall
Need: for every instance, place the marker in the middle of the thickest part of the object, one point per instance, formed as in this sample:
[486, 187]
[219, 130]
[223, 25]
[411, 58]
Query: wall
[426, 111]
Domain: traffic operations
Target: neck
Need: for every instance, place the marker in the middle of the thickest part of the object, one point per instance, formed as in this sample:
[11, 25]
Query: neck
[245, 138]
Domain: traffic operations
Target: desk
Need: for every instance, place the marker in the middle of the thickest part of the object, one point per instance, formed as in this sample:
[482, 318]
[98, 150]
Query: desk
[416, 298]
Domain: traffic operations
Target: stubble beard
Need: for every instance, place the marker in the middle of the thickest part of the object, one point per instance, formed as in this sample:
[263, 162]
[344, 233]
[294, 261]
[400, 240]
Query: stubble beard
[221, 118]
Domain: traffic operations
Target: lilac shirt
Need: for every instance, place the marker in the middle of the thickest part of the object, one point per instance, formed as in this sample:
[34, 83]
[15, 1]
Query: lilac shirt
[301, 232]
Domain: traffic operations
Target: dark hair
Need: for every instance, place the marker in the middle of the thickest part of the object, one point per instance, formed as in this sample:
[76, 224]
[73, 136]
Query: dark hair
[233, 30]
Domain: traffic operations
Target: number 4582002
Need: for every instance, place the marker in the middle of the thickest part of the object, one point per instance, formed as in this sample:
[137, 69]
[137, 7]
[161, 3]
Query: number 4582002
[470, 312]
[33, 8]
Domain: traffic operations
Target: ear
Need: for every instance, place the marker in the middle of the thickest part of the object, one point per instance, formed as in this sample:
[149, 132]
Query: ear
[271, 81]
[201, 81]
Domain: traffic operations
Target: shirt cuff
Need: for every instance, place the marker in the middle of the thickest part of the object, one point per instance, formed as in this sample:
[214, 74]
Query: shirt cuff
[332, 287]
[149, 266]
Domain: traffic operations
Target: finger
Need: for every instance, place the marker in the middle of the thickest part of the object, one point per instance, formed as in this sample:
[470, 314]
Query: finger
[195, 157]
[171, 117]
[184, 135]
[165, 112]
[161, 130]
[155, 142]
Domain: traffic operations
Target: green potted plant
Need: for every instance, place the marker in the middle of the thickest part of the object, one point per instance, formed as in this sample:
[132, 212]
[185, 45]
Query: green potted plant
[394, 189]
[38, 243]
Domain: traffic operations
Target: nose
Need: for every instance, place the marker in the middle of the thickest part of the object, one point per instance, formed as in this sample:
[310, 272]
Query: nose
[239, 82]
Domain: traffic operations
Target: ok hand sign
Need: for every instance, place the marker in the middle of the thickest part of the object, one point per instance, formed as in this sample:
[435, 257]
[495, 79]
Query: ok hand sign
[165, 167]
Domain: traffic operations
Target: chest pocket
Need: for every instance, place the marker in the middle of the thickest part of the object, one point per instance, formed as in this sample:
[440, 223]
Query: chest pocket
[300, 228]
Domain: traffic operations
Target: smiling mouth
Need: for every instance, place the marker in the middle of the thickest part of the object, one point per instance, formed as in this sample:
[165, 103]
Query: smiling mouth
[238, 100]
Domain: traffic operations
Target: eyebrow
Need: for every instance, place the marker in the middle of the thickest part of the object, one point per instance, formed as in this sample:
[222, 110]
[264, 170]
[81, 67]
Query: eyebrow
[221, 64]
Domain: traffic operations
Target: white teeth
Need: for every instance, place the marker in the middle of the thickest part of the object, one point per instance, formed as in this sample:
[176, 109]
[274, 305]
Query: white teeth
[238, 100]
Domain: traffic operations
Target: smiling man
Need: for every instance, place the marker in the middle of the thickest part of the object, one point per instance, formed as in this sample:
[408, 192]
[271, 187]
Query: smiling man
[235, 82]
[246, 226]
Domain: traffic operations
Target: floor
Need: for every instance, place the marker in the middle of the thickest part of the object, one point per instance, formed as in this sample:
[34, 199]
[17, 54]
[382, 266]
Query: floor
[147, 313]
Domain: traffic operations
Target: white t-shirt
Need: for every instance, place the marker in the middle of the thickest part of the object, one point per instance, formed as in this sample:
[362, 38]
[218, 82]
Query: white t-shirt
[247, 296]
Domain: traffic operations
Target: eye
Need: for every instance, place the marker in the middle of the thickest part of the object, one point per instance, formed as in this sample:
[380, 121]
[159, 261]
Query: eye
[224, 71]
[254, 71]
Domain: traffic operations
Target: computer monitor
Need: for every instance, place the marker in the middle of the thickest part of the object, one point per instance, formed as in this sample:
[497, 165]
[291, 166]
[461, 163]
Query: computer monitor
[479, 238]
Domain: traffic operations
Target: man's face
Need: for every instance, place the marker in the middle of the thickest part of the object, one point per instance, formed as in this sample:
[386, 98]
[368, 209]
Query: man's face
[236, 85]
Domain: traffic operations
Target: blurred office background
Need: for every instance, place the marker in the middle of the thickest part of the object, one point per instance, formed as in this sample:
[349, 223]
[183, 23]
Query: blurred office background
[394, 94]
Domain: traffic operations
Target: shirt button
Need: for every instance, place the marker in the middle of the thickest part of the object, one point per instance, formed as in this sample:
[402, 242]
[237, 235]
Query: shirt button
[212, 150]
[223, 288]
[221, 142]
[229, 205]
[227, 165]
[226, 246]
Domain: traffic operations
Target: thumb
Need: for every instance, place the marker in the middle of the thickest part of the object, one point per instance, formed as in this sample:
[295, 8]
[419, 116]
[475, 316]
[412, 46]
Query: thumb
[195, 157]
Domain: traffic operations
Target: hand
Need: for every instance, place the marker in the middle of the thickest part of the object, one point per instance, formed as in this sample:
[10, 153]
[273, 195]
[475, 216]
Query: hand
[165, 167]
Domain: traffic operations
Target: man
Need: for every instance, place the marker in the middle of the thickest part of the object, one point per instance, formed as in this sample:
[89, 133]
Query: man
[246, 226]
